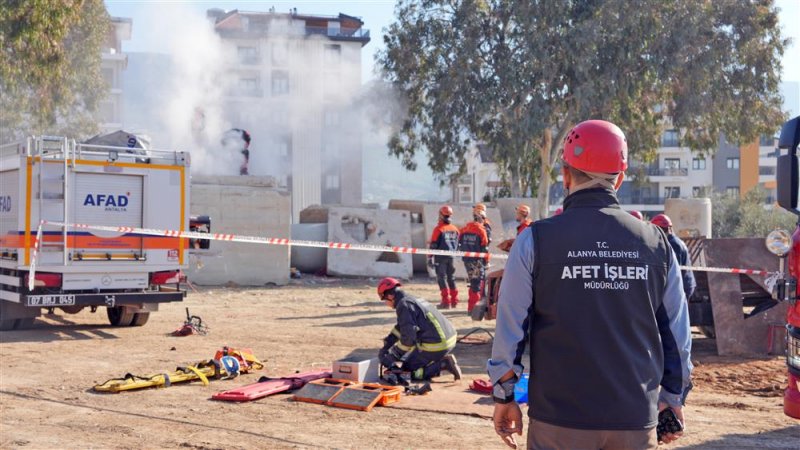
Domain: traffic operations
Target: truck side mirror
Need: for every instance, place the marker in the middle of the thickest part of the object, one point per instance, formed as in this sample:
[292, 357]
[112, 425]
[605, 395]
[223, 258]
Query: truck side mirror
[788, 171]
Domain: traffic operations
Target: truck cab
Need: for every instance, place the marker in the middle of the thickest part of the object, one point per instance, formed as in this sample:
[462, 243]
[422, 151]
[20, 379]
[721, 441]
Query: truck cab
[788, 181]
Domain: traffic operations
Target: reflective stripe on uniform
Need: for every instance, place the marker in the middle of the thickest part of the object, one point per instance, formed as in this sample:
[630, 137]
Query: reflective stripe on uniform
[396, 333]
[405, 348]
[444, 343]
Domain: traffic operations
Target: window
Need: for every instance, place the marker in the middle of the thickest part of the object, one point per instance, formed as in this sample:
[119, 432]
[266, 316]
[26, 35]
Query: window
[733, 163]
[108, 76]
[332, 181]
[334, 28]
[280, 53]
[330, 117]
[672, 163]
[672, 192]
[280, 82]
[248, 85]
[698, 164]
[247, 54]
[333, 54]
[669, 138]
[283, 147]
[733, 191]
[697, 191]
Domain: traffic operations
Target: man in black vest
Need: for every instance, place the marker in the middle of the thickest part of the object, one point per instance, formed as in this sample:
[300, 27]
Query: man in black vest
[598, 296]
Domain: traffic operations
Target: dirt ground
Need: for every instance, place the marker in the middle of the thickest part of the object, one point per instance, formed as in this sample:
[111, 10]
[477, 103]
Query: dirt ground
[46, 399]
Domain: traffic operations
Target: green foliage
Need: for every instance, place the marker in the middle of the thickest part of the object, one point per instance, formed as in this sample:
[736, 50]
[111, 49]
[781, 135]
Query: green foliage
[50, 77]
[747, 216]
[517, 75]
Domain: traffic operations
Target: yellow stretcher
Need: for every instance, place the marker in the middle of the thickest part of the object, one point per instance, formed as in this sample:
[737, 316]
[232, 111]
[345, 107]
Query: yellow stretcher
[214, 369]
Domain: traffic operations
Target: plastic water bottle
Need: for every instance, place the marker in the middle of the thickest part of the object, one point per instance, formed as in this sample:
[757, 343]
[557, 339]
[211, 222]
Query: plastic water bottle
[521, 389]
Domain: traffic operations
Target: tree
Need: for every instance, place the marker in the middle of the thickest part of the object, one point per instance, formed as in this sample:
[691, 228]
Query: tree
[50, 77]
[517, 75]
[746, 216]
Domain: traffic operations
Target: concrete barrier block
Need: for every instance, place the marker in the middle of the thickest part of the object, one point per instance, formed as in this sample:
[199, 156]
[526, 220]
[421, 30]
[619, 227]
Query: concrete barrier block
[371, 227]
[244, 206]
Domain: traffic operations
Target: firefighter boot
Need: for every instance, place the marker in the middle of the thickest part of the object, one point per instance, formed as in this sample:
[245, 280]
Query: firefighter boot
[453, 298]
[445, 300]
[474, 298]
[450, 364]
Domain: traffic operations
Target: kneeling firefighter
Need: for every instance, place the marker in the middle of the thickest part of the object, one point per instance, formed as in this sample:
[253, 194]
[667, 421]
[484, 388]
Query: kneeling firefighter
[423, 338]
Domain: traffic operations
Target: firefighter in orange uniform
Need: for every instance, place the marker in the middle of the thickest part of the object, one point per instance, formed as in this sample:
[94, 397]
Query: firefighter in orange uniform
[445, 237]
[473, 238]
[523, 217]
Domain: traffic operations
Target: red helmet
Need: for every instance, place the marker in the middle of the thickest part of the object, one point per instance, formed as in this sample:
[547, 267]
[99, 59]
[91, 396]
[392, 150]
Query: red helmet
[662, 220]
[387, 284]
[446, 211]
[558, 211]
[637, 214]
[596, 146]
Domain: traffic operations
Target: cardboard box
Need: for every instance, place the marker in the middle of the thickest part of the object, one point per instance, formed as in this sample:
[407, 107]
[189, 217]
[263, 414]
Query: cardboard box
[356, 369]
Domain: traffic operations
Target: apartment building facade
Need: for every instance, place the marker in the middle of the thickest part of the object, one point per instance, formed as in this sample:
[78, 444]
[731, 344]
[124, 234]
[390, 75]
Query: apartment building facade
[292, 83]
[113, 62]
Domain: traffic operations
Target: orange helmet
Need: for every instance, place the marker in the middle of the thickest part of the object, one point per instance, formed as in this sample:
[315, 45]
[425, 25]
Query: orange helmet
[596, 146]
[636, 214]
[385, 285]
[479, 207]
[446, 211]
[662, 220]
[524, 209]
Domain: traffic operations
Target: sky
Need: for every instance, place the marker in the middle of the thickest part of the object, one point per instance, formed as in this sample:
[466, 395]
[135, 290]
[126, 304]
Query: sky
[377, 15]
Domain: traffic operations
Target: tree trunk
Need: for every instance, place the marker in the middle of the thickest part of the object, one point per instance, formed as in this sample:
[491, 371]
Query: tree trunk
[543, 194]
[549, 158]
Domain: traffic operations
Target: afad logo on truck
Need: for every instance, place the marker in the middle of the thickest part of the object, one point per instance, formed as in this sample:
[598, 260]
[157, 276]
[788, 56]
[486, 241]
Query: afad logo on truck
[108, 202]
[5, 203]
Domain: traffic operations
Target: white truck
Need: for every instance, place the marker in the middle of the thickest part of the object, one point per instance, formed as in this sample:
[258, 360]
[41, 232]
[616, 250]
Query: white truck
[58, 180]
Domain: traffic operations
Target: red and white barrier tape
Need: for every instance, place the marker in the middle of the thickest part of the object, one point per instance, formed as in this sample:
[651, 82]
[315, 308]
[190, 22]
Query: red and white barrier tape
[328, 245]
[278, 241]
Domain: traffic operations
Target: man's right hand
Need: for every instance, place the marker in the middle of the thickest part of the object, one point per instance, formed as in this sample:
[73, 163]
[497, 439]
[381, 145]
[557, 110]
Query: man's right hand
[671, 437]
[507, 421]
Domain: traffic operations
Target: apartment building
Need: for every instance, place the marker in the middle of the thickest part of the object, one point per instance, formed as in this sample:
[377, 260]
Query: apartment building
[292, 83]
[113, 63]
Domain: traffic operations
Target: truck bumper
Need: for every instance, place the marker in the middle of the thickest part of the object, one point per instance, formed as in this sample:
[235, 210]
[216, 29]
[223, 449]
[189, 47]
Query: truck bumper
[101, 299]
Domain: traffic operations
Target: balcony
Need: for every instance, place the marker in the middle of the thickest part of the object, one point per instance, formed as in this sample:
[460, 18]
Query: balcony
[346, 34]
[667, 173]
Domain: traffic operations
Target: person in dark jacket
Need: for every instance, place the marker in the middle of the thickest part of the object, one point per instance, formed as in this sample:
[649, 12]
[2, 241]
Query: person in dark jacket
[597, 296]
[681, 251]
[422, 340]
[473, 238]
[445, 237]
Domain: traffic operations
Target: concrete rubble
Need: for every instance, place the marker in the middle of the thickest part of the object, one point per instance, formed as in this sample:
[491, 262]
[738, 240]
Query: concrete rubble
[371, 227]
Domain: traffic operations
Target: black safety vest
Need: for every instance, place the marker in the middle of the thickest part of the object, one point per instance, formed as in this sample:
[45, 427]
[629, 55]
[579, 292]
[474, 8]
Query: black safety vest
[596, 353]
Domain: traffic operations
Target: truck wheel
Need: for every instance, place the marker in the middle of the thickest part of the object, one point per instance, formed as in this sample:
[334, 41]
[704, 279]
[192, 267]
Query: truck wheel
[140, 319]
[23, 324]
[8, 325]
[120, 316]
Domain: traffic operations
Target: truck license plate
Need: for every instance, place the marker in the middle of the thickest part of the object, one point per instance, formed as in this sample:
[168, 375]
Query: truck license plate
[51, 300]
